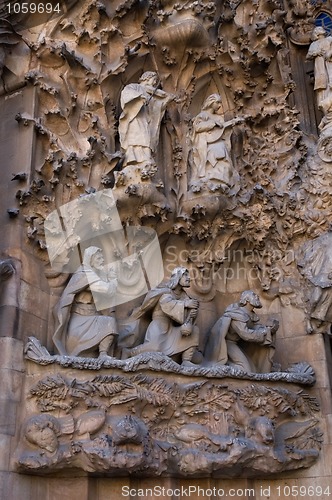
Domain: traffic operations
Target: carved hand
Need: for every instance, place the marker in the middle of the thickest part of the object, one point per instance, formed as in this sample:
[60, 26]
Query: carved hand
[179, 99]
[191, 303]
[193, 314]
[275, 326]
[111, 275]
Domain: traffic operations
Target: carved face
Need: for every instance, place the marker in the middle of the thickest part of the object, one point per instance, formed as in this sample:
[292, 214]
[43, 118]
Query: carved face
[153, 81]
[255, 301]
[150, 81]
[262, 428]
[185, 280]
[47, 439]
[215, 106]
[97, 260]
[318, 33]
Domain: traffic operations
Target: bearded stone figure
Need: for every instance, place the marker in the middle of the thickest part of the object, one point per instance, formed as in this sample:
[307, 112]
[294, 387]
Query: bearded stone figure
[171, 330]
[80, 327]
[143, 107]
[240, 340]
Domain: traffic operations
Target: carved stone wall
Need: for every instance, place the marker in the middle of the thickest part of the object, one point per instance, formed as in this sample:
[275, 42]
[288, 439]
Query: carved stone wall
[144, 424]
[244, 203]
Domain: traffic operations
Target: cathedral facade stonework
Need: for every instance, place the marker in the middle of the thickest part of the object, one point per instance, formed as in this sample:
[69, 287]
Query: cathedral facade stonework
[166, 260]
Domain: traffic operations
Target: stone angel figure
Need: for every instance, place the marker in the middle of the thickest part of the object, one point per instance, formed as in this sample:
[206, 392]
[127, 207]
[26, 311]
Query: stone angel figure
[211, 163]
[320, 51]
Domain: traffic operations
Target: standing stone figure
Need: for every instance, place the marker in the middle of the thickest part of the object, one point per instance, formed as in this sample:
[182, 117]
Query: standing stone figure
[321, 51]
[80, 327]
[143, 107]
[211, 161]
[315, 263]
[172, 330]
[239, 328]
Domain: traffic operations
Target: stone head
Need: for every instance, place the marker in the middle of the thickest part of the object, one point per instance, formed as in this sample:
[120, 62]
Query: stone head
[212, 102]
[318, 32]
[149, 78]
[93, 257]
[180, 275]
[250, 297]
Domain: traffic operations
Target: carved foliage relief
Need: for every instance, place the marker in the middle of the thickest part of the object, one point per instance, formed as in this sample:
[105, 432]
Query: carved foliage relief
[152, 425]
[236, 50]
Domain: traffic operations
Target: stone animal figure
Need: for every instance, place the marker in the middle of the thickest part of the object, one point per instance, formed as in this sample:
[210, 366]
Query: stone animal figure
[261, 429]
[191, 433]
[43, 431]
[129, 430]
[89, 423]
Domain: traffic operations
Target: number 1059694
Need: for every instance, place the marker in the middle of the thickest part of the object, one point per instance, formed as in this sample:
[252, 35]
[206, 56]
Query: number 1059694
[317, 491]
[33, 8]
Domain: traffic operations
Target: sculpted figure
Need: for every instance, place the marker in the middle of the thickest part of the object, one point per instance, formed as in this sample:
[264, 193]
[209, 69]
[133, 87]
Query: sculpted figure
[239, 328]
[80, 327]
[315, 263]
[211, 161]
[321, 51]
[143, 107]
[172, 330]
[43, 431]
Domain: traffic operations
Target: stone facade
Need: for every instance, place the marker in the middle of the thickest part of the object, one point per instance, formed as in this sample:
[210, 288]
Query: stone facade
[195, 134]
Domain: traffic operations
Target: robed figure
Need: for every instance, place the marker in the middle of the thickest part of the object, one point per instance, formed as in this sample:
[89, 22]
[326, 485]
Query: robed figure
[240, 340]
[80, 328]
[315, 263]
[172, 330]
[211, 163]
[143, 107]
[320, 51]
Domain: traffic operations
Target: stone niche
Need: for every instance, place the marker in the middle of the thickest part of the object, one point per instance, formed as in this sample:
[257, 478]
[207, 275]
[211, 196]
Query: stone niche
[190, 127]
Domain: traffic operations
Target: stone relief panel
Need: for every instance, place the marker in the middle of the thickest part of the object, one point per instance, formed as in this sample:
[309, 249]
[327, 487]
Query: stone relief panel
[183, 111]
[155, 425]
